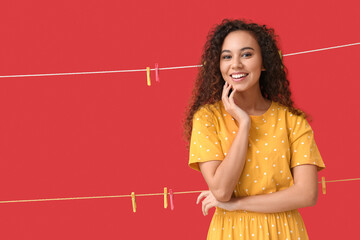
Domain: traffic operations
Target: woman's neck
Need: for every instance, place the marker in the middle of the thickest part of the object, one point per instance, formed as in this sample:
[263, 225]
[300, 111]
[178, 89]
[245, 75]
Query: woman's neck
[252, 103]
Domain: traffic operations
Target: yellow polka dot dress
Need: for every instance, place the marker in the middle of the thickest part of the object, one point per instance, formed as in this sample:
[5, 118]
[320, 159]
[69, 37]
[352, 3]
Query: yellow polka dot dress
[278, 141]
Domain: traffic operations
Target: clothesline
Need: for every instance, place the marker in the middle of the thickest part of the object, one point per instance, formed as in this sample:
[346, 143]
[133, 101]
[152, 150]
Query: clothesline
[163, 68]
[138, 195]
[142, 70]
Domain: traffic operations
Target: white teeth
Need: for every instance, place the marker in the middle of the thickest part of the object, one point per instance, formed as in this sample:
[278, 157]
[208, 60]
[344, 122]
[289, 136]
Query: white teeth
[239, 75]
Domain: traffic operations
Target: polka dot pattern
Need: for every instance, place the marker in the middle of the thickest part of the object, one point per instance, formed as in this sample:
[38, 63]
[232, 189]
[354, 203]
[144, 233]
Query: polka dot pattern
[242, 225]
[278, 141]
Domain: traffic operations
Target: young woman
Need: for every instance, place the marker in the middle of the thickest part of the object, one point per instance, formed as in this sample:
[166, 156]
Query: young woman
[255, 150]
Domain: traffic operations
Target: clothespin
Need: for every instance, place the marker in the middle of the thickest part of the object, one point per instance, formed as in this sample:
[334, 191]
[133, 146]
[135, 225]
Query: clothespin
[157, 72]
[323, 185]
[171, 199]
[133, 201]
[148, 76]
[165, 198]
[281, 56]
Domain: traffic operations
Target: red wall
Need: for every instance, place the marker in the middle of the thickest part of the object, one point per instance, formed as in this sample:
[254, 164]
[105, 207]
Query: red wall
[111, 134]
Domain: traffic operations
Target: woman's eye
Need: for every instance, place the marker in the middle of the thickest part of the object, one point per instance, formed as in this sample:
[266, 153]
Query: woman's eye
[247, 55]
[226, 57]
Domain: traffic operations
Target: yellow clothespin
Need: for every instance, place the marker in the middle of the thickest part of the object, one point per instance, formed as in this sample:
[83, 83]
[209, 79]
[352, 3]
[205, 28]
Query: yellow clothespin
[148, 76]
[133, 201]
[165, 198]
[323, 185]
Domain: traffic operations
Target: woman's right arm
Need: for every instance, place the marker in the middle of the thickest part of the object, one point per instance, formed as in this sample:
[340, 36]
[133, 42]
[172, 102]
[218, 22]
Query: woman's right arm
[222, 176]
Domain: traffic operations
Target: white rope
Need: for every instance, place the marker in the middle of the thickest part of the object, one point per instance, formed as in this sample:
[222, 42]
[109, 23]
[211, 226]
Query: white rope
[152, 69]
[321, 49]
[74, 73]
[169, 68]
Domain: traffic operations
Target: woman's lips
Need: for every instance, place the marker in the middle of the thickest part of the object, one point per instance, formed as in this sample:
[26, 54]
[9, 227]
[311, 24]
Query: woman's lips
[239, 79]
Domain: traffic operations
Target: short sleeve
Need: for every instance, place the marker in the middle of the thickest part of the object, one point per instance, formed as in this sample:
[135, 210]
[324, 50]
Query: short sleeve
[205, 143]
[303, 147]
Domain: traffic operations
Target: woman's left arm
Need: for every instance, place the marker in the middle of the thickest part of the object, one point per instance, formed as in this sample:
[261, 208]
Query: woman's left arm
[303, 193]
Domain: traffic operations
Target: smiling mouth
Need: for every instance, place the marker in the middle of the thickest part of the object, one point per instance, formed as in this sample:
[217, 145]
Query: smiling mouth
[238, 77]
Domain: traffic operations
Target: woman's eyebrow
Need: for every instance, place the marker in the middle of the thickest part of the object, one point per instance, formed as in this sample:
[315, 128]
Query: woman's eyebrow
[242, 49]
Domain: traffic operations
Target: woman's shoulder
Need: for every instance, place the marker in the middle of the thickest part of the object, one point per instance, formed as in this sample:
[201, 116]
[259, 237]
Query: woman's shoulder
[291, 117]
[213, 109]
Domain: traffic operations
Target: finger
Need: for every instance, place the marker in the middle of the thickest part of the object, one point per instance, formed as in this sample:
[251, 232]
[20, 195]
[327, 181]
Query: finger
[208, 207]
[224, 89]
[225, 94]
[203, 204]
[202, 195]
[199, 197]
[208, 200]
[231, 97]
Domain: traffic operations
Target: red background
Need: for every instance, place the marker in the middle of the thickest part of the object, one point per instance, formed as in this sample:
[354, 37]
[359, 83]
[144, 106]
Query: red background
[111, 134]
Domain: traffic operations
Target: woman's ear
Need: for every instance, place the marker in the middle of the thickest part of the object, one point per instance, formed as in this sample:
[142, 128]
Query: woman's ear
[263, 69]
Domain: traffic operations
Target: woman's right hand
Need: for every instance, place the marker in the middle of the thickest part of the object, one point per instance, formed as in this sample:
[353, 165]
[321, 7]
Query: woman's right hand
[230, 106]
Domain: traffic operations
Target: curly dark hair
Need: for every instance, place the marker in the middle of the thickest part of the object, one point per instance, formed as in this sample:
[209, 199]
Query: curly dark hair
[209, 83]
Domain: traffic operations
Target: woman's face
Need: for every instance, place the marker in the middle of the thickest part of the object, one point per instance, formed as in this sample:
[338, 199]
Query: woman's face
[240, 60]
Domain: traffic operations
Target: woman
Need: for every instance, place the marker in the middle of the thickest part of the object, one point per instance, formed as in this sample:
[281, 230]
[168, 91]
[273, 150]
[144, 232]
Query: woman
[255, 150]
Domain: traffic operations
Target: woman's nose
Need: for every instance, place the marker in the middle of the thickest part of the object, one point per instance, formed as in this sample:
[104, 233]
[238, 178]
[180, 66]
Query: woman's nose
[237, 63]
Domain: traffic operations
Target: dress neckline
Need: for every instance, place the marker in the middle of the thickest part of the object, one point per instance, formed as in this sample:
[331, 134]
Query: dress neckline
[267, 112]
[257, 119]
[271, 108]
